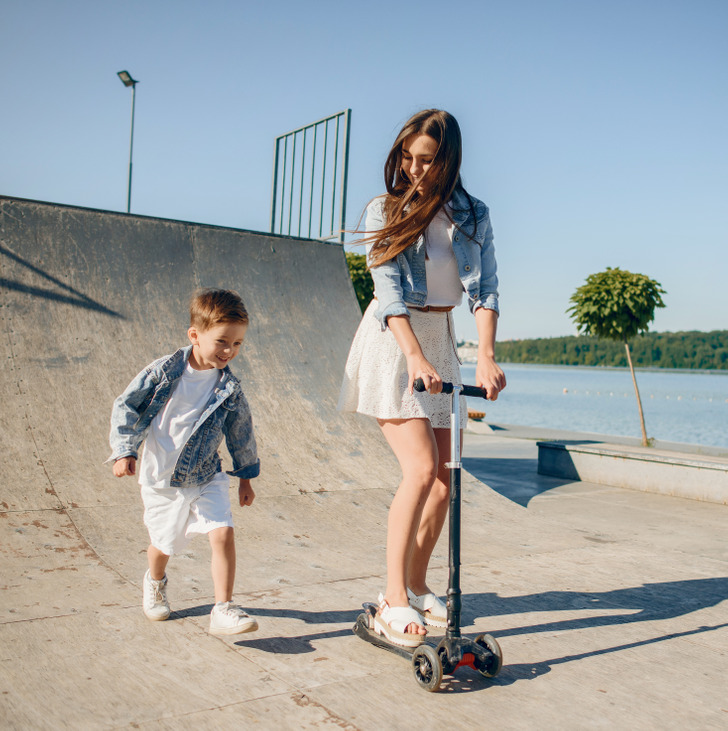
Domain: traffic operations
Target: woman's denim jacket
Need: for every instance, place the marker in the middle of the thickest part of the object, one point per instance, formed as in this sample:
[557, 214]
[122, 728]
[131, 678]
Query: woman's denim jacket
[403, 280]
[226, 415]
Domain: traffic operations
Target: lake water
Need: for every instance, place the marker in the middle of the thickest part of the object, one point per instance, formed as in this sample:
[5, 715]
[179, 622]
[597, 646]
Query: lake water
[679, 406]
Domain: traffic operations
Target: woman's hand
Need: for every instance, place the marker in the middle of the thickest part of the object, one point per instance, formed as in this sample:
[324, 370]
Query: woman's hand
[488, 375]
[419, 367]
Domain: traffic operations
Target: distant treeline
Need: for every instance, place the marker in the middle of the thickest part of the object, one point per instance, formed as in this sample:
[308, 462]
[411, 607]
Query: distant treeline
[694, 349]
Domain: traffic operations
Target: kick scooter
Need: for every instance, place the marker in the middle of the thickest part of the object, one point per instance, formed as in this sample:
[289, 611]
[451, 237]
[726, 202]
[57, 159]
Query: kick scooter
[432, 659]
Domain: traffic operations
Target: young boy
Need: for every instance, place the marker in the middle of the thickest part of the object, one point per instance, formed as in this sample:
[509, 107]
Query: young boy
[183, 405]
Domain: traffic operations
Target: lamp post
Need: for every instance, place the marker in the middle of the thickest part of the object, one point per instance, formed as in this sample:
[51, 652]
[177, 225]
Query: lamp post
[127, 80]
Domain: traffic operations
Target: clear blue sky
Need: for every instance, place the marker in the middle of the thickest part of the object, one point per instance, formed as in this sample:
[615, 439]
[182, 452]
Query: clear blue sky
[595, 131]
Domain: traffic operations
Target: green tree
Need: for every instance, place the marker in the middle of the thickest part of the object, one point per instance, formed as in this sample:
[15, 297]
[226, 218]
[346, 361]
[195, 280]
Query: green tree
[360, 278]
[617, 305]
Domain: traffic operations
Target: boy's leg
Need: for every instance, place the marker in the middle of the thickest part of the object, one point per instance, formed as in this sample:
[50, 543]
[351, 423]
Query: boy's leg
[222, 542]
[155, 602]
[211, 514]
[226, 618]
[165, 515]
[157, 562]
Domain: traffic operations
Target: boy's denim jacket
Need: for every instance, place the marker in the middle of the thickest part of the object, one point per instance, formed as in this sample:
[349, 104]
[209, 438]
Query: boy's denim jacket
[403, 280]
[227, 415]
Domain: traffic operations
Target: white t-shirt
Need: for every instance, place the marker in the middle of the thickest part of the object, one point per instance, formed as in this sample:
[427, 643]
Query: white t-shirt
[444, 288]
[172, 427]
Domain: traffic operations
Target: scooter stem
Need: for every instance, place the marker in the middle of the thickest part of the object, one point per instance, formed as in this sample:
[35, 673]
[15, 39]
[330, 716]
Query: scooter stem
[454, 602]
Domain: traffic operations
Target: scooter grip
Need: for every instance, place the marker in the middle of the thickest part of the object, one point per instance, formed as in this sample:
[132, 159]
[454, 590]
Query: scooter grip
[474, 391]
[419, 385]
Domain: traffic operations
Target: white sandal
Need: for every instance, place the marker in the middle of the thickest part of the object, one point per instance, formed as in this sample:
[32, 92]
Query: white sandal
[430, 607]
[392, 622]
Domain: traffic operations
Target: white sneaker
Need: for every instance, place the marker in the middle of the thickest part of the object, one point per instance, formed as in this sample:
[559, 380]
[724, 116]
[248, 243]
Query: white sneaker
[155, 604]
[227, 618]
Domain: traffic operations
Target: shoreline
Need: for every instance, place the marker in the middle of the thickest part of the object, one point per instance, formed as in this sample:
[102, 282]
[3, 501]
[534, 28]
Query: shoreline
[682, 408]
[469, 356]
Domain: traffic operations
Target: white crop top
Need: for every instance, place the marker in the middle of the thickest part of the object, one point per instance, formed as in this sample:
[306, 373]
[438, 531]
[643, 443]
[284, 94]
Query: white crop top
[444, 288]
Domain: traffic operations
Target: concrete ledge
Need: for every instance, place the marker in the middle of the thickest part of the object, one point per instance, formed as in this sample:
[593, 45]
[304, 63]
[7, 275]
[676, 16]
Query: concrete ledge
[698, 477]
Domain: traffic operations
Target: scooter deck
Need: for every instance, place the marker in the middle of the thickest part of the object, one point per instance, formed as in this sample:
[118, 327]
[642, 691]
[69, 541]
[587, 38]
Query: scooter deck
[363, 628]
[482, 653]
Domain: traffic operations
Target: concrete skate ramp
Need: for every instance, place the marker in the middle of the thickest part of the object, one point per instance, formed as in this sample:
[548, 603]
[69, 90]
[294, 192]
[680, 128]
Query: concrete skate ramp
[90, 297]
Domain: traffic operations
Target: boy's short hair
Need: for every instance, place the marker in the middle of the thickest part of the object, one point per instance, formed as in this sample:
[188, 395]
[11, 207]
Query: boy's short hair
[210, 307]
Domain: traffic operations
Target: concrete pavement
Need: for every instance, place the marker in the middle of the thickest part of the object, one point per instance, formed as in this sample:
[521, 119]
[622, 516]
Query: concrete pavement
[609, 604]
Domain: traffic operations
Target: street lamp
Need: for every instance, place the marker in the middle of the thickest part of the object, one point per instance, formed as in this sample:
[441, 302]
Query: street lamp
[127, 80]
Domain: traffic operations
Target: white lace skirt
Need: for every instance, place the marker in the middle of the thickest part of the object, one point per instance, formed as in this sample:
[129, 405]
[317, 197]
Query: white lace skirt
[375, 378]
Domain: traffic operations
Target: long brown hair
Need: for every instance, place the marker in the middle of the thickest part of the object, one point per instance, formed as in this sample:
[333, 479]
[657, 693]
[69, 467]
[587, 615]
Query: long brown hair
[407, 213]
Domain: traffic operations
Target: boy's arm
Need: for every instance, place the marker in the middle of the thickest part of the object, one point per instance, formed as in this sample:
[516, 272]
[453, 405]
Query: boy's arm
[240, 440]
[125, 466]
[246, 494]
[124, 437]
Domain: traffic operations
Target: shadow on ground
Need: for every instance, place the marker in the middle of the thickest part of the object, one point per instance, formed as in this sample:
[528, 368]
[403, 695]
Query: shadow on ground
[647, 602]
[61, 292]
[516, 478]
[528, 671]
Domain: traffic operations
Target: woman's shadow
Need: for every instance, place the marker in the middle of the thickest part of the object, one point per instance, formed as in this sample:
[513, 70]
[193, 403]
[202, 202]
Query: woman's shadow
[645, 603]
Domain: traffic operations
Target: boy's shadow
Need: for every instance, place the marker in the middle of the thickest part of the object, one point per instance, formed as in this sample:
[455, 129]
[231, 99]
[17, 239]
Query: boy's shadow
[647, 602]
[301, 644]
[293, 645]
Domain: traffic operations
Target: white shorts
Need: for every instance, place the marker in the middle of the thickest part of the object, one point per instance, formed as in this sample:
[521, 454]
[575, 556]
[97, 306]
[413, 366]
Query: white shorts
[173, 514]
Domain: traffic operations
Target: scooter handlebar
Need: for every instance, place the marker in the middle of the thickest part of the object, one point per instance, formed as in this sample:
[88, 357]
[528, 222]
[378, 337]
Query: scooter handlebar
[475, 391]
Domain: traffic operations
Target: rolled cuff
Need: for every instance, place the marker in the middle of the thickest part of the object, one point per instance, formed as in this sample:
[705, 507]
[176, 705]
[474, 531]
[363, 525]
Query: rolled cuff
[115, 457]
[489, 302]
[246, 473]
[393, 310]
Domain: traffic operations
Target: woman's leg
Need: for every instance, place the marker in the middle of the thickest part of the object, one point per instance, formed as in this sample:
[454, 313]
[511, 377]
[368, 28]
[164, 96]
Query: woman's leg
[222, 543]
[433, 517]
[414, 445]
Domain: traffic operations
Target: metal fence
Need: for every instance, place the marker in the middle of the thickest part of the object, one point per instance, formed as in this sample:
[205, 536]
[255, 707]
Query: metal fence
[310, 171]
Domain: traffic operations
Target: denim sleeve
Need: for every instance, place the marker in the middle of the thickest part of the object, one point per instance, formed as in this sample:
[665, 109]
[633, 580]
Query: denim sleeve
[125, 437]
[488, 290]
[387, 276]
[240, 440]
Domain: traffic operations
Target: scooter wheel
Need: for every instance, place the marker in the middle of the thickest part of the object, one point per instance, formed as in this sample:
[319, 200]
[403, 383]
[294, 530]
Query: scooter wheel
[364, 620]
[491, 667]
[427, 668]
[447, 665]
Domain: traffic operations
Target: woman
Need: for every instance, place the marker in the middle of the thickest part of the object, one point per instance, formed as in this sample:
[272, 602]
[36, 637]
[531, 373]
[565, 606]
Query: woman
[429, 241]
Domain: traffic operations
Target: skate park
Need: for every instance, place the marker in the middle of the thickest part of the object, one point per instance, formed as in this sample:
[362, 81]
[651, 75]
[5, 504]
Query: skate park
[609, 603]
